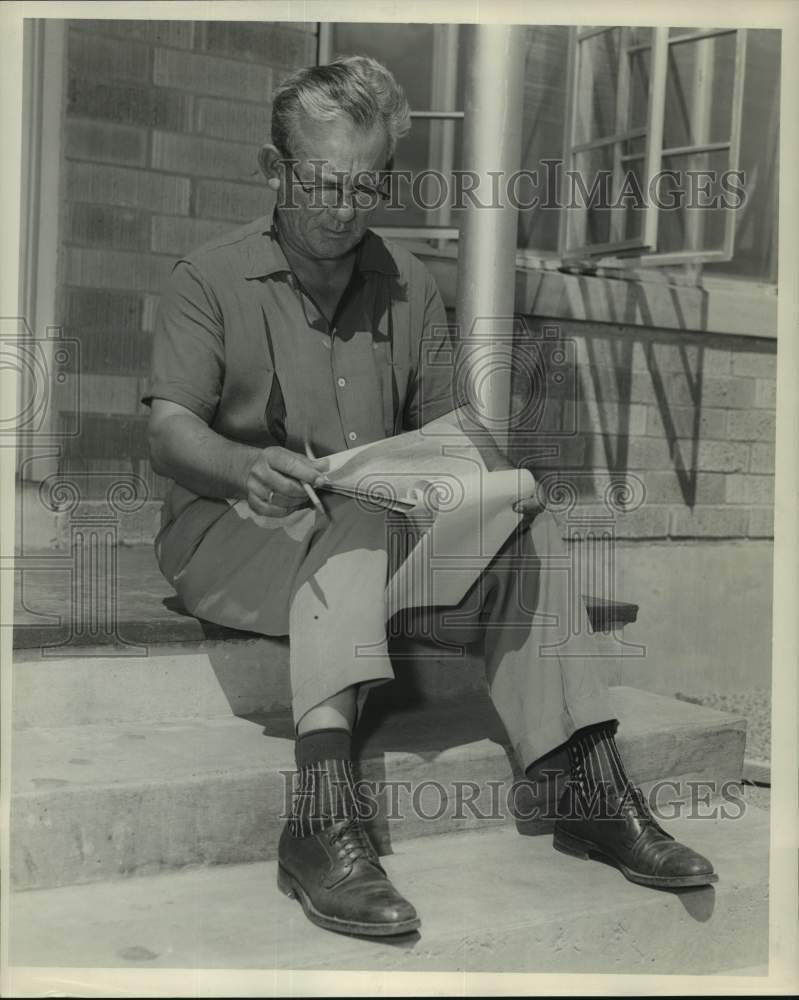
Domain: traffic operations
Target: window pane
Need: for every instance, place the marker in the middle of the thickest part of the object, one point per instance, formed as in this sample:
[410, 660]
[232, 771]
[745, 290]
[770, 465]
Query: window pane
[697, 220]
[633, 207]
[543, 114]
[405, 49]
[756, 222]
[423, 150]
[639, 88]
[589, 219]
[640, 36]
[598, 79]
[699, 87]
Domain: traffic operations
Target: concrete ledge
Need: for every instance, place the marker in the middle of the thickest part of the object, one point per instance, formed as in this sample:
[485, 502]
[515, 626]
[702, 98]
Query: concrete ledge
[98, 801]
[489, 902]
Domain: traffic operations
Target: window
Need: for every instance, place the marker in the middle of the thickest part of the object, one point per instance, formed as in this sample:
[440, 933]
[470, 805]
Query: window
[653, 141]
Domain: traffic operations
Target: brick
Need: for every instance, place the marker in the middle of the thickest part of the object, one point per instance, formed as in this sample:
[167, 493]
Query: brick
[233, 119]
[89, 309]
[149, 311]
[645, 522]
[568, 453]
[110, 185]
[199, 157]
[670, 488]
[749, 489]
[93, 57]
[176, 33]
[105, 142]
[735, 393]
[763, 458]
[679, 421]
[712, 456]
[109, 393]
[610, 385]
[720, 456]
[649, 453]
[129, 104]
[758, 364]
[233, 202]
[107, 226]
[709, 522]
[751, 425]
[205, 74]
[766, 393]
[761, 522]
[108, 351]
[176, 234]
[108, 437]
[115, 269]
[617, 419]
[265, 42]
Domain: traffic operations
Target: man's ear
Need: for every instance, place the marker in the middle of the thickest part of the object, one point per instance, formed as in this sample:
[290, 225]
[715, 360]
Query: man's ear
[269, 160]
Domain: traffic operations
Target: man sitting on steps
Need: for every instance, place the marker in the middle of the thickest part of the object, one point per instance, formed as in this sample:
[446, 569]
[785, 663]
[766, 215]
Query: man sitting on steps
[303, 330]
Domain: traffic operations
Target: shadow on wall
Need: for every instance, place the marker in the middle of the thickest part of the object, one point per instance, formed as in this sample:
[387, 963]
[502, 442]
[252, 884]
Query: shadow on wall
[682, 413]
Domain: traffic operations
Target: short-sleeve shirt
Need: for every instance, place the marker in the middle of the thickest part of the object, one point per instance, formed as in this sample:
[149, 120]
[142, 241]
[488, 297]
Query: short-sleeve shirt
[241, 344]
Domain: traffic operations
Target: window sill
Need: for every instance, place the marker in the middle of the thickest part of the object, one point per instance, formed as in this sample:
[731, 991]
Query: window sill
[657, 300]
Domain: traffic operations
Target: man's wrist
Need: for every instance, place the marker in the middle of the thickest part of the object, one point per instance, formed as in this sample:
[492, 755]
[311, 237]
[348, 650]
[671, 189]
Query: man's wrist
[245, 459]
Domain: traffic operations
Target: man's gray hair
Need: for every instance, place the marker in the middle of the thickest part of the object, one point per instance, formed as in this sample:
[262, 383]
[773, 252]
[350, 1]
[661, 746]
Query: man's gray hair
[356, 87]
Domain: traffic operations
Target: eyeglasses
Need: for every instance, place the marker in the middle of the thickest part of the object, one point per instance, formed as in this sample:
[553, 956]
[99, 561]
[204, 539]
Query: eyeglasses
[371, 186]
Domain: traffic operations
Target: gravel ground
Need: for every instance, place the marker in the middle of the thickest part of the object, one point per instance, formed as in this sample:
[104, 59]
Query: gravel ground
[755, 707]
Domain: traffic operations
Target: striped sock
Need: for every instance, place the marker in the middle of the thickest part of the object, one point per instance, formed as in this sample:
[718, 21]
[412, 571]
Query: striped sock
[596, 762]
[326, 791]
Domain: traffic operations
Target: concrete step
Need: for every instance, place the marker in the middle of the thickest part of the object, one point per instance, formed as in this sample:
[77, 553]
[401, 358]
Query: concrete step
[489, 901]
[210, 679]
[101, 801]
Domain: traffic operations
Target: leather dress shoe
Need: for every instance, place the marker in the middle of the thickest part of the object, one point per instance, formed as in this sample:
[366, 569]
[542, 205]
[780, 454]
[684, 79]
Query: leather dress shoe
[337, 877]
[624, 832]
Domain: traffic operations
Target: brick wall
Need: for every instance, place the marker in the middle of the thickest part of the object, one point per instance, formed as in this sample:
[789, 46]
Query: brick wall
[162, 122]
[689, 417]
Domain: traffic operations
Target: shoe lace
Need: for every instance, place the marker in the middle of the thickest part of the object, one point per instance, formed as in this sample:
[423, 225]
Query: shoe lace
[352, 842]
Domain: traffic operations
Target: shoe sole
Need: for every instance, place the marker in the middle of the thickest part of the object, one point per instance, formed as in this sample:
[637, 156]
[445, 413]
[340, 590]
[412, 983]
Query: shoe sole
[575, 847]
[290, 887]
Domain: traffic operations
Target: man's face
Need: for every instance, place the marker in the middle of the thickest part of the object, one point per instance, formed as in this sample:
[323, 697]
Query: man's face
[322, 216]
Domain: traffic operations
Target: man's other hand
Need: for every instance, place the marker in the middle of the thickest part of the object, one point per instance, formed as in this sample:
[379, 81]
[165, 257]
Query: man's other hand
[529, 507]
[275, 478]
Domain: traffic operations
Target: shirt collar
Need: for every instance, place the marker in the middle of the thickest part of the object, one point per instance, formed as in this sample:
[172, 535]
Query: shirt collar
[265, 256]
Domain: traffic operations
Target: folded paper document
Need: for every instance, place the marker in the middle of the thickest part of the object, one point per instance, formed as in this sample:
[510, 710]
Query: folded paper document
[454, 490]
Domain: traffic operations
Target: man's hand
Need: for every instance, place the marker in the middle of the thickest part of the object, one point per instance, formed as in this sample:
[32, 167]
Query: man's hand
[275, 478]
[529, 507]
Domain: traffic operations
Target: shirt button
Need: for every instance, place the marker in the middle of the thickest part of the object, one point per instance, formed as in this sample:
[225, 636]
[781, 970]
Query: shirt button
[342, 382]
[352, 436]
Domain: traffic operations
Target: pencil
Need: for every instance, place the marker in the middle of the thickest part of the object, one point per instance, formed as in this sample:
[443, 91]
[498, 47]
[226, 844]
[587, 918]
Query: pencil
[312, 494]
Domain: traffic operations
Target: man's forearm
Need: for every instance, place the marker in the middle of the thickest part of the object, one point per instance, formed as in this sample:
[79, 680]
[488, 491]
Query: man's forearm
[187, 450]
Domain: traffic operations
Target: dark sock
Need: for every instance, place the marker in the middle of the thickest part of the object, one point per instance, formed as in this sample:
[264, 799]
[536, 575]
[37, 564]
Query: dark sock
[596, 762]
[326, 783]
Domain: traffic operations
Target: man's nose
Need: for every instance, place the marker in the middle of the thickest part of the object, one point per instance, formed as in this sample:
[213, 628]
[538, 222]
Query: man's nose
[344, 209]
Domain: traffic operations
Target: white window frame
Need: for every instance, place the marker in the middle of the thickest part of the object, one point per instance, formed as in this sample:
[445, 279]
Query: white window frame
[642, 251]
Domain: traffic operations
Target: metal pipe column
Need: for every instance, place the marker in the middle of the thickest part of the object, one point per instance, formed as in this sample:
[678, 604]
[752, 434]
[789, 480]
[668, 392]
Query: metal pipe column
[487, 245]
